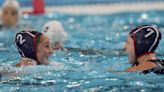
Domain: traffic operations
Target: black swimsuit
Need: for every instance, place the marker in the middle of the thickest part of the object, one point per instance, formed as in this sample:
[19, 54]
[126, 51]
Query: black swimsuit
[158, 70]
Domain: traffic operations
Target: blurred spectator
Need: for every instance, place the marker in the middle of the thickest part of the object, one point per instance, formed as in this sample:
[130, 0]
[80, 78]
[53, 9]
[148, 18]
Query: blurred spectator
[10, 13]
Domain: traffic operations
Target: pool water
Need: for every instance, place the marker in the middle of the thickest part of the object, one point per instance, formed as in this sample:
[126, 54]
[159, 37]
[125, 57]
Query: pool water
[95, 59]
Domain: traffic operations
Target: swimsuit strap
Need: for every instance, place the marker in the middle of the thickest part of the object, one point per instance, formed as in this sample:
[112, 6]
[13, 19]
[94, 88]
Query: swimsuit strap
[159, 69]
[159, 63]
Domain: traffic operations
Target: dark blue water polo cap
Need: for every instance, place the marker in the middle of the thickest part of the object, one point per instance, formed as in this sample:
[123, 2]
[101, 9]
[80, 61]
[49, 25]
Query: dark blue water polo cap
[26, 43]
[146, 39]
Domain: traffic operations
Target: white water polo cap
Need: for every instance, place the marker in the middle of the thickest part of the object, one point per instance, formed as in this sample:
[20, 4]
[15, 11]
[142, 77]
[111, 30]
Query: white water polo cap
[12, 3]
[55, 31]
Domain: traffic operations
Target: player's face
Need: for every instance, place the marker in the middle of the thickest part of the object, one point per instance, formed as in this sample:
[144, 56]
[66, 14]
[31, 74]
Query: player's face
[129, 47]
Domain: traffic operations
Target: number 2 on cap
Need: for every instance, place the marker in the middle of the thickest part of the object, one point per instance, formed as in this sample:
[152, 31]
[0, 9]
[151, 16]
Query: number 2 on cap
[20, 38]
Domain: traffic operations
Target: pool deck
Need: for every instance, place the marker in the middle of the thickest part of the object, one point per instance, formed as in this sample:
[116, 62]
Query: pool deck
[104, 8]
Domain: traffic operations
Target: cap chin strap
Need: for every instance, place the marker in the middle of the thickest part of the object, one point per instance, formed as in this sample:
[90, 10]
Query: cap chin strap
[35, 47]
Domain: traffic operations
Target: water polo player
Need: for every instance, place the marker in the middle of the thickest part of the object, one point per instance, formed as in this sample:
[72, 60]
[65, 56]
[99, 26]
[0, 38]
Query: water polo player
[55, 31]
[140, 46]
[34, 48]
[10, 13]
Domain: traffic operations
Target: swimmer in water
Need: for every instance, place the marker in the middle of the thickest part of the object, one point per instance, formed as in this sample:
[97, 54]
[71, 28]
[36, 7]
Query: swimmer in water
[140, 47]
[56, 33]
[34, 48]
[10, 13]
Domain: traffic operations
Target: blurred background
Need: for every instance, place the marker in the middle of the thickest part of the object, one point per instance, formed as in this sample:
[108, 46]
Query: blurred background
[72, 2]
[95, 6]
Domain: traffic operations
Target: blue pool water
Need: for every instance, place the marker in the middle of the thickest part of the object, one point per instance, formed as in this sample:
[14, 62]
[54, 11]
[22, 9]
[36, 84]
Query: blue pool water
[101, 39]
